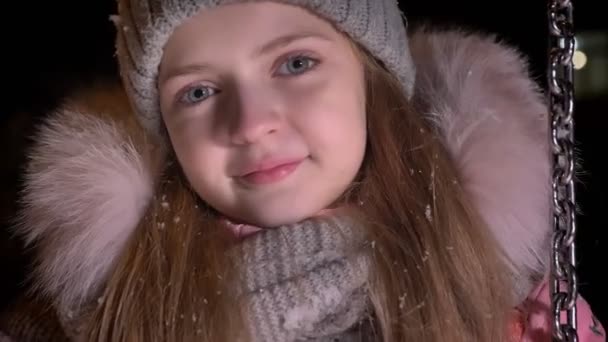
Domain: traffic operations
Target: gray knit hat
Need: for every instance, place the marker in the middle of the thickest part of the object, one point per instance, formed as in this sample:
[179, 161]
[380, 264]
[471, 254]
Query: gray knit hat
[144, 27]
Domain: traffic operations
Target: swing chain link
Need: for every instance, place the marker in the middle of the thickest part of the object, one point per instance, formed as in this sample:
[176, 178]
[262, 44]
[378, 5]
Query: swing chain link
[561, 104]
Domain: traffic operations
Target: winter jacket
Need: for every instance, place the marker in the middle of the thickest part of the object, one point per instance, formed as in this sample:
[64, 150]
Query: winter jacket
[92, 171]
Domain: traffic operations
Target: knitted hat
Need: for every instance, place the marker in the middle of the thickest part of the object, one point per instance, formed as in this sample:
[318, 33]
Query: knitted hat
[144, 27]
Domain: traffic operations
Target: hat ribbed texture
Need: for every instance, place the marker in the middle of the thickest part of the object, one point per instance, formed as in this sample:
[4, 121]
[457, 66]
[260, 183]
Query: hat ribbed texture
[144, 27]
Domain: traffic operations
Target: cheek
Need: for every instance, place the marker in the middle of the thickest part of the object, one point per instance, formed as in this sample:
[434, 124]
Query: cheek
[202, 162]
[204, 169]
[336, 131]
[191, 139]
[331, 109]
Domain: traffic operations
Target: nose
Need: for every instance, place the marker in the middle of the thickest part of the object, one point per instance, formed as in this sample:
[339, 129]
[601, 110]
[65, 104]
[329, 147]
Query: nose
[255, 117]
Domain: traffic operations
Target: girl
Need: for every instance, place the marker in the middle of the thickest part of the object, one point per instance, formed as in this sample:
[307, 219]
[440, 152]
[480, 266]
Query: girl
[294, 173]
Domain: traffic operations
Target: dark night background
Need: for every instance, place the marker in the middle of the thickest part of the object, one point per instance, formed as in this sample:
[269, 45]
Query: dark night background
[51, 47]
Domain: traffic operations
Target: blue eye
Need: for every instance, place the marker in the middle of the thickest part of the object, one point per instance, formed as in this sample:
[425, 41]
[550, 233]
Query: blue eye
[297, 65]
[197, 94]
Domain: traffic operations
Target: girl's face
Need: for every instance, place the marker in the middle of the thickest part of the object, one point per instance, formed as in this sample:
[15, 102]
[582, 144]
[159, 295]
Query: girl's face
[265, 108]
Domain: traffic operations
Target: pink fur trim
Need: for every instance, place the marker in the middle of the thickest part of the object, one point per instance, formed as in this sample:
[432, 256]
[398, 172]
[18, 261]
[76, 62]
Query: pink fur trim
[85, 189]
[493, 119]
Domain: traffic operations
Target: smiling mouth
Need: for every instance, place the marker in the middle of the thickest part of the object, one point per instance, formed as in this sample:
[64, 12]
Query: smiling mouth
[272, 174]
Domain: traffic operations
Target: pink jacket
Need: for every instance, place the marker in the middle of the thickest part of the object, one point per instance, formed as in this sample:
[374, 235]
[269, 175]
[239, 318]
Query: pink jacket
[91, 175]
[535, 319]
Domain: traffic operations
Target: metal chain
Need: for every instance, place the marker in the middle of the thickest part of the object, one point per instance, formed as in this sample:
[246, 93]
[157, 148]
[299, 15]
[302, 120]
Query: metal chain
[561, 104]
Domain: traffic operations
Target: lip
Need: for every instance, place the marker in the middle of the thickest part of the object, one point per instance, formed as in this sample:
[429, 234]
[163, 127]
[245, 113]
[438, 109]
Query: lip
[269, 171]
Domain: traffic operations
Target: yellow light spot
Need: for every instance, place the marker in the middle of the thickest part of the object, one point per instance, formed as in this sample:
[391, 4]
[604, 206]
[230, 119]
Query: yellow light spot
[579, 59]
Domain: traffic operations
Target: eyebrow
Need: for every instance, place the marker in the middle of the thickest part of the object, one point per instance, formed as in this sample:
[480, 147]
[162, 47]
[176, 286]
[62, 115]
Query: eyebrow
[182, 70]
[268, 47]
[286, 40]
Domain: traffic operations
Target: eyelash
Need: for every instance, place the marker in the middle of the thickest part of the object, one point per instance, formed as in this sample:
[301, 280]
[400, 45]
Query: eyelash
[313, 62]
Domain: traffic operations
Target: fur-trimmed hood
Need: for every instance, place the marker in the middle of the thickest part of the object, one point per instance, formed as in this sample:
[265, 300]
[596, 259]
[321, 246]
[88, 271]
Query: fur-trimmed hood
[91, 171]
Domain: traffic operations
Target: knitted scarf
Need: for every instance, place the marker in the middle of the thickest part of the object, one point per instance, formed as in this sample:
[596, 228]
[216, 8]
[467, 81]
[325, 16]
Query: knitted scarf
[307, 281]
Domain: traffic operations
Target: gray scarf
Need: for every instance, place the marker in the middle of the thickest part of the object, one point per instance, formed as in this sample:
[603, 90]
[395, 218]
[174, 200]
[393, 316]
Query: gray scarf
[307, 281]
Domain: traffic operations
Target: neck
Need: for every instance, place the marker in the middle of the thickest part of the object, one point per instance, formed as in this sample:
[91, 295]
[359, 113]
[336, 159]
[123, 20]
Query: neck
[242, 230]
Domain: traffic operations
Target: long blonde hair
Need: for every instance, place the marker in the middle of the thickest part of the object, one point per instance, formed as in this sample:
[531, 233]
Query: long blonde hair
[438, 274]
